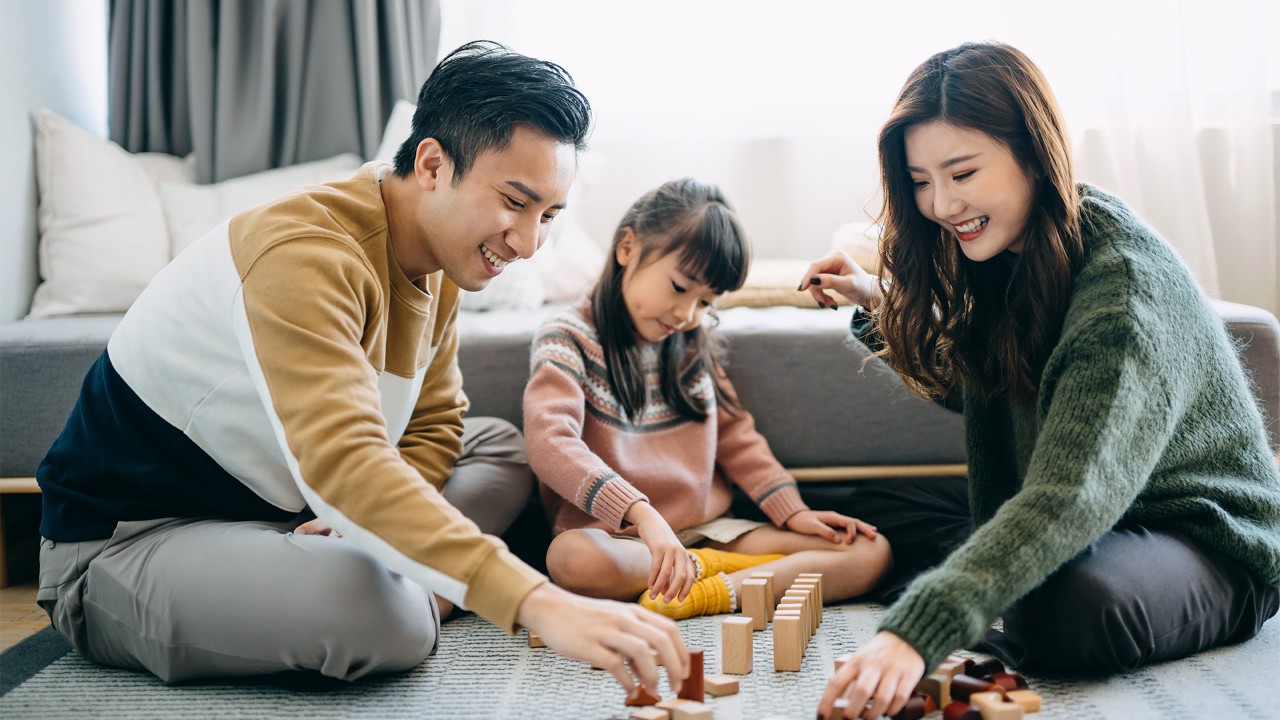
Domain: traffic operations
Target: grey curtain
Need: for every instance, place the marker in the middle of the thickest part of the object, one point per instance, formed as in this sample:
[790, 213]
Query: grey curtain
[255, 84]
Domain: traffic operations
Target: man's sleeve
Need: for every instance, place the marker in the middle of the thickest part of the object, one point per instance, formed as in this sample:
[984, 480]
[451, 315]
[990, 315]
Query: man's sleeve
[299, 320]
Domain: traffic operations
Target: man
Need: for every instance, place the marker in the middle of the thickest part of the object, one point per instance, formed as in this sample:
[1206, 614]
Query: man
[299, 359]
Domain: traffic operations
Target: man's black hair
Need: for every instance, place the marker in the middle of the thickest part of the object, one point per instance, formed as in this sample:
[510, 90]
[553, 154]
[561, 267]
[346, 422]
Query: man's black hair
[478, 94]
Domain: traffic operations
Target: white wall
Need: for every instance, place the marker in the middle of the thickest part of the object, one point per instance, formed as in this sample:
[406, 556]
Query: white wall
[53, 53]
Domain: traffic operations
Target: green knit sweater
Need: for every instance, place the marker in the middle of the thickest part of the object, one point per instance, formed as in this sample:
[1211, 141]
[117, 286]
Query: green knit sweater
[1143, 416]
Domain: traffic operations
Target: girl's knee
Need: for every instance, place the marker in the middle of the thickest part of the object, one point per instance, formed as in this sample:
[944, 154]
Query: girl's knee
[576, 563]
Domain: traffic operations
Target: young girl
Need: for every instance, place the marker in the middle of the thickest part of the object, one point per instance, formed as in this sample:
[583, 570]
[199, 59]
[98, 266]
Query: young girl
[635, 434]
[1126, 501]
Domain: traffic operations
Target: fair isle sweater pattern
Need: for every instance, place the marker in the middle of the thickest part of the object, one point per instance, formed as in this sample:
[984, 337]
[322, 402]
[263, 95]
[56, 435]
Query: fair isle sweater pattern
[593, 462]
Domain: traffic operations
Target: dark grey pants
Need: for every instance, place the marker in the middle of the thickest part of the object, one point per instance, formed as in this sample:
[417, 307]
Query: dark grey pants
[1135, 596]
[184, 598]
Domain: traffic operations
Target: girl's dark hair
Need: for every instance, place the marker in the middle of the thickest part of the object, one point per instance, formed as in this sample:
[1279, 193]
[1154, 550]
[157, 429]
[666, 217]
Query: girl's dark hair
[693, 219]
[944, 317]
[478, 94]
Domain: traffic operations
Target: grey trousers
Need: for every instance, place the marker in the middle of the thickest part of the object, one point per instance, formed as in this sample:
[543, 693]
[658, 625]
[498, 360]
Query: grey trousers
[203, 598]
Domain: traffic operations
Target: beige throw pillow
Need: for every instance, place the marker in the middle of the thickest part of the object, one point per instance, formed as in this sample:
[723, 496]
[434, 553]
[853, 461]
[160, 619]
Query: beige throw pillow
[102, 229]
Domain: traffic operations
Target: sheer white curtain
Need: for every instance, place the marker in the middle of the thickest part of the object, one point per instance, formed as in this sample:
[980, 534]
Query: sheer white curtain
[1170, 104]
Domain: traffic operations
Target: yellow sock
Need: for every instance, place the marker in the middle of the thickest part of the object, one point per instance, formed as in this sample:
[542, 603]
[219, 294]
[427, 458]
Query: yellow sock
[711, 562]
[709, 596]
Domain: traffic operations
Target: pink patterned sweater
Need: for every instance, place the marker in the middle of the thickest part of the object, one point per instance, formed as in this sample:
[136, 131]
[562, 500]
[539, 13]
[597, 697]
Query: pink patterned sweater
[592, 462]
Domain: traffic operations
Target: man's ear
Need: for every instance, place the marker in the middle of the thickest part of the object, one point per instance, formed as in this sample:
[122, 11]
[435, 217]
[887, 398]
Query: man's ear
[431, 165]
[628, 247]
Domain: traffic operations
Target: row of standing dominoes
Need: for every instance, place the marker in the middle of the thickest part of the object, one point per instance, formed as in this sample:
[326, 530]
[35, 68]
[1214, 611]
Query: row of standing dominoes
[795, 619]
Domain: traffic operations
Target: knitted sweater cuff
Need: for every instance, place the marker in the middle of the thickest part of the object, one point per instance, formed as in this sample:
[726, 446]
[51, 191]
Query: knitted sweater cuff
[613, 500]
[783, 503]
[930, 624]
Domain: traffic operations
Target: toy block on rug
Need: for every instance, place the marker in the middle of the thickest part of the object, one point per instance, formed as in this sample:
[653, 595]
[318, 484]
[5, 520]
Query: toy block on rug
[720, 685]
[691, 688]
[535, 640]
[918, 705]
[756, 601]
[996, 706]
[649, 713]
[767, 577]
[788, 640]
[736, 645]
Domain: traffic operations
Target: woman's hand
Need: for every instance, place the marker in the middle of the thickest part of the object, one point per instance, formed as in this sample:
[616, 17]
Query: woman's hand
[878, 679]
[837, 271]
[671, 572]
[828, 524]
[611, 635]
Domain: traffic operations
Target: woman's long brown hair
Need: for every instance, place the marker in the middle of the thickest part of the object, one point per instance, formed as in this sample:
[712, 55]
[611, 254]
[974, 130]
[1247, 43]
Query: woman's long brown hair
[944, 317]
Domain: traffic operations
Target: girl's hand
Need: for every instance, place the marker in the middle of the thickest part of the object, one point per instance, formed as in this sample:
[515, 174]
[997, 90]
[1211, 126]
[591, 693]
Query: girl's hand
[315, 527]
[878, 680]
[672, 572]
[837, 271]
[827, 524]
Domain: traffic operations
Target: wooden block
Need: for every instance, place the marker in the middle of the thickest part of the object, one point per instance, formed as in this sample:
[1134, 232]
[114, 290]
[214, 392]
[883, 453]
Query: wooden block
[995, 706]
[792, 606]
[691, 688]
[985, 669]
[640, 697]
[788, 639]
[670, 703]
[938, 687]
[840, 710]
[736, 638]
[960, 710]
[1008, 681]
[767, 576]
[840, 661]
[691, 710]
[805, 598]
[756, 602]
[951, 667]
[650, 713]
[962, 686]
[1029, 701]
[535, 640]
[917, 707]
[815, 597]
[721, 685]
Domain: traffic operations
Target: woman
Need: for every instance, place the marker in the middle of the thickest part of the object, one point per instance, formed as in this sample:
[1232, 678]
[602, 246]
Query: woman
[1125, 501]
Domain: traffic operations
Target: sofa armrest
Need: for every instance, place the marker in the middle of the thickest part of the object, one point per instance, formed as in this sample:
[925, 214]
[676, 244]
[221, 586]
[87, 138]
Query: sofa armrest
[1257, 336]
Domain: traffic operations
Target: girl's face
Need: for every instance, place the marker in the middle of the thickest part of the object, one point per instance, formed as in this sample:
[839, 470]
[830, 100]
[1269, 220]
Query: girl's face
[660, 299]
[971, 185]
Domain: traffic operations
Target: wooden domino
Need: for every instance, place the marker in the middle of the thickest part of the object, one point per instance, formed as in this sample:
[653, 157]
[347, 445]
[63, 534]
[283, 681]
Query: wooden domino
[788, 641]
[756, 602]
[938, 687]
[535, 640]
[649, 713]
[952, 666]
[815, 597]
[736, 645]
[691, 688]
[720, 685]
[960, 710]
[640, 697]
[995, 706]
[1029, 701]
[692, 710]
[840, 661]
[767, 577]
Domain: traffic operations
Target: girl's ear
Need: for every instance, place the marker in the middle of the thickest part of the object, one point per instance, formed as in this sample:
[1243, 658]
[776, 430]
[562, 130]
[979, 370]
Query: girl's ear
[628, 247]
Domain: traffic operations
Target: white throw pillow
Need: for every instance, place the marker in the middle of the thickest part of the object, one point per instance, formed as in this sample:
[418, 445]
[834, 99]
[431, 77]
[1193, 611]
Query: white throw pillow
[102, 229]
[193, 210]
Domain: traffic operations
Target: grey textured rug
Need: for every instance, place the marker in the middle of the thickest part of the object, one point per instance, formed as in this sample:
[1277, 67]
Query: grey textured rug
[479, 672]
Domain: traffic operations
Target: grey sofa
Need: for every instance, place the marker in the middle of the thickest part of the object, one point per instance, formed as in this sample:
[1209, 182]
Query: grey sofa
[826, 416]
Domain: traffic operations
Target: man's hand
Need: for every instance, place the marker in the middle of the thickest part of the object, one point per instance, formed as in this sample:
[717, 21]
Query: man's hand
[829, 525]
[671, 571]
[878, 679]
[611, 635]
[316, 527]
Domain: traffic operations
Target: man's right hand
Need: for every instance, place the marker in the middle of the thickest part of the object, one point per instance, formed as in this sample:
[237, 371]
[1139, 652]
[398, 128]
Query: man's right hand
[608, 634]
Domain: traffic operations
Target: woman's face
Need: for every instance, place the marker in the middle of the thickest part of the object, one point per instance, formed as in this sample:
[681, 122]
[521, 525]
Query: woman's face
[971, 185]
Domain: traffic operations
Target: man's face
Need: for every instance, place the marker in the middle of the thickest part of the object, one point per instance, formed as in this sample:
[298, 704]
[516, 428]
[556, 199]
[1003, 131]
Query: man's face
[501, 210]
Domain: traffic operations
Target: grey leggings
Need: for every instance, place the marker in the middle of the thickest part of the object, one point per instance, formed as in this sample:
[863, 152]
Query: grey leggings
[187, 599]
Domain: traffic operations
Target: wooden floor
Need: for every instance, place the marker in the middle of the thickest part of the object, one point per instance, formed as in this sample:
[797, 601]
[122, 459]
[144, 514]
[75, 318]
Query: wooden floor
[19, 615]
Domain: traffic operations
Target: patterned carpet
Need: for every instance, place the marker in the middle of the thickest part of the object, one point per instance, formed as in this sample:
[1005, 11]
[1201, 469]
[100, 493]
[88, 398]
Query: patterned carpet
[481, 673]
